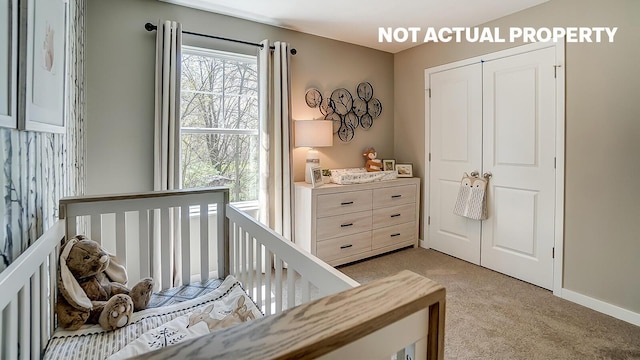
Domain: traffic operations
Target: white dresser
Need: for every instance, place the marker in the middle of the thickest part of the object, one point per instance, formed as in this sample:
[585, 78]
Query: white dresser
[345, 223]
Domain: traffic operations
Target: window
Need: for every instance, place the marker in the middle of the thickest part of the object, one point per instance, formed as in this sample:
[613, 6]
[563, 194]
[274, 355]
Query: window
[219, 122]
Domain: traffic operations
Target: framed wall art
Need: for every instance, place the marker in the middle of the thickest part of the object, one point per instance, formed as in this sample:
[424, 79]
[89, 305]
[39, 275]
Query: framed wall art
[9, 63]
[42, 95]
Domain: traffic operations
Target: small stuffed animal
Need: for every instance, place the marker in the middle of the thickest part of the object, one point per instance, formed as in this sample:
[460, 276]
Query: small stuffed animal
[238, 316]
[372, 163]
[92, 287]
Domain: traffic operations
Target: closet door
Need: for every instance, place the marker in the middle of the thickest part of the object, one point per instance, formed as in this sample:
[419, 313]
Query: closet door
[455, 148]
[519, 150]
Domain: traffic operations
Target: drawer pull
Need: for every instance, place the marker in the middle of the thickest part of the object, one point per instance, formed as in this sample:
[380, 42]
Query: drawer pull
[396, 196]
[347, 203]
[346, 246]
[395, 215]
[396, 234]
[346, 225]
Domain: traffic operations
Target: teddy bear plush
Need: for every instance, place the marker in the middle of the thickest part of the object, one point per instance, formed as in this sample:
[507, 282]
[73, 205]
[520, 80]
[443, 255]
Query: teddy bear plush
[92, 290]
[372, 164]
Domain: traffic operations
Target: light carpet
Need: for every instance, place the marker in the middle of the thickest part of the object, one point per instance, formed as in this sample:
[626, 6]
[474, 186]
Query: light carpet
[493, 316]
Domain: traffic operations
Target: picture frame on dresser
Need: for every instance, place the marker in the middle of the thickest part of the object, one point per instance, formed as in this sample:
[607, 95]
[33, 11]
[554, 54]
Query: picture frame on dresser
[316, 176]
[388, 165]
[43, 31]
[404, 170]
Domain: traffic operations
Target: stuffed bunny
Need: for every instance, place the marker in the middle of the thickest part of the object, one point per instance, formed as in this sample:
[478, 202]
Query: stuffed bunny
[92, 287]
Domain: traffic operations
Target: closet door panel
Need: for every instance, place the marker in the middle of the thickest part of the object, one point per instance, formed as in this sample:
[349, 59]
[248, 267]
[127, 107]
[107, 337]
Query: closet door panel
[455, 110]
[519, 150]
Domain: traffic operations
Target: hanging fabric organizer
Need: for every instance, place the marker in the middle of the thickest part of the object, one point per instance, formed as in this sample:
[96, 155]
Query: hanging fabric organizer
[472, 197]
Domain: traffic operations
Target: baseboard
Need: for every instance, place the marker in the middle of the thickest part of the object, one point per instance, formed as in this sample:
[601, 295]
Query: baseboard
[423, 244]
[601, 306]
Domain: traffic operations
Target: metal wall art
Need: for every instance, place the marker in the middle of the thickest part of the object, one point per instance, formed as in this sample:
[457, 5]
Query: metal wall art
[347, 112]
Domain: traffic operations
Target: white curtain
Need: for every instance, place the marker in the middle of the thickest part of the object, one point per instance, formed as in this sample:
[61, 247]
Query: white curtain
[167, 136]
[276, 180]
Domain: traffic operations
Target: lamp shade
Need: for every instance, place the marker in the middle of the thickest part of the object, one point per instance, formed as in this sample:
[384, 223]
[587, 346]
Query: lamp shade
[314, 133]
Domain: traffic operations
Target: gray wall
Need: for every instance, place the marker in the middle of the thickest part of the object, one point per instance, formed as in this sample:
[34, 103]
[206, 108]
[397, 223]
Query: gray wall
[120, 85]
[602, 207]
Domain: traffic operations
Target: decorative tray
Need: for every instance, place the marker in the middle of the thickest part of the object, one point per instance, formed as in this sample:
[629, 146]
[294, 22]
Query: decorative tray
[360, 176]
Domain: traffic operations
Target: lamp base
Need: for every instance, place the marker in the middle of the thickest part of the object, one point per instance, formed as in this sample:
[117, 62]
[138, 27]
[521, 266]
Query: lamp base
[312, 161]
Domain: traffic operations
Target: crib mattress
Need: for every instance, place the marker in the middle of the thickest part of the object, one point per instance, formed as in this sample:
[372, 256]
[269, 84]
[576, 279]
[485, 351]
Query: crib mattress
[163, 324]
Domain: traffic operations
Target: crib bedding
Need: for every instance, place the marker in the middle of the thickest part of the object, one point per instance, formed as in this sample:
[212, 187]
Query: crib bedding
[176, 315]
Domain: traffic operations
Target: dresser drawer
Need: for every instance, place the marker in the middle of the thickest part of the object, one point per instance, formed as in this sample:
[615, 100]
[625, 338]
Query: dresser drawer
[394, 235]
[393, 196]
[341, 225]
[393, 215]
[343, 203]
[337, 248]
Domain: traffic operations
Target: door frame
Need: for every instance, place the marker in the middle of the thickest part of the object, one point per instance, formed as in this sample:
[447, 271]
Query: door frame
[558, 263]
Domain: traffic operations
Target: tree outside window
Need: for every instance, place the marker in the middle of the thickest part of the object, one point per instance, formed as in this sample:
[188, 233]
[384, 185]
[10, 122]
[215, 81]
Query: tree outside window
[219, 122]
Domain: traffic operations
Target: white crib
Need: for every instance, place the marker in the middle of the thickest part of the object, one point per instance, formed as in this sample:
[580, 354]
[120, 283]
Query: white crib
[216, 239]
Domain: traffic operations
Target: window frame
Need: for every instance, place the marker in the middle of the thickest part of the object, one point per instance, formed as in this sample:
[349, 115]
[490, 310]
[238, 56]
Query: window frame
[204, 52]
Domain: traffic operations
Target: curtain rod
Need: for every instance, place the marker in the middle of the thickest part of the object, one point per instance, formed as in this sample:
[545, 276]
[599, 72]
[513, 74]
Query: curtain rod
[151, 27]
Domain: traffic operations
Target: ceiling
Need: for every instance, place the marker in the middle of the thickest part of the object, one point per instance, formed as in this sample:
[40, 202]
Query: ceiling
[357, 21]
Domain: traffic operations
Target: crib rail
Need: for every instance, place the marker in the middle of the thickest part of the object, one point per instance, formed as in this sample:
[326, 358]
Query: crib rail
[27, 298]
[275, 272]
[371, 321]
[143, 230]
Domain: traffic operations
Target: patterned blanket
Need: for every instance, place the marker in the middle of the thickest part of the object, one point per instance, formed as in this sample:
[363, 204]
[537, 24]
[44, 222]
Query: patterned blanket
[155, 328]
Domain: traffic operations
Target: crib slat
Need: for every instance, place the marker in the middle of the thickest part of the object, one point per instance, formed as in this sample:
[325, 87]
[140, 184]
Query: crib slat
[10, 323]
[306, 291]
[185, 237]
[96, 228]
[241, 252]
[222, 237]
[204, 242]
[145, 250]
[236, 249]
[121, 242]
[165, 249]
[36, 300]
[278, 294]
[53, 264]
[291, 288]
[250, 286]
[267, 286]
[24, 320]
[3, 343]
[44, 305]
[258, 297]
[245, 258]
[72, 229]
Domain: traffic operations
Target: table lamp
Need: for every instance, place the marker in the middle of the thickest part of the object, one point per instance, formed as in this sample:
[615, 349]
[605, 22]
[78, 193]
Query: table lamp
[313, 134]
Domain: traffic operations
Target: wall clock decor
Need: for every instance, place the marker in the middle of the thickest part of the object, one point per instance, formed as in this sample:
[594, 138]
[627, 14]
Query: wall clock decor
[347, 112]
[313, 97]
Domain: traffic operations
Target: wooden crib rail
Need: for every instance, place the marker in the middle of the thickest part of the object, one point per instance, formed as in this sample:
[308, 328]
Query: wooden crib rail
[166, 216]
[275, 272]
[27, 298]
[371, 321]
